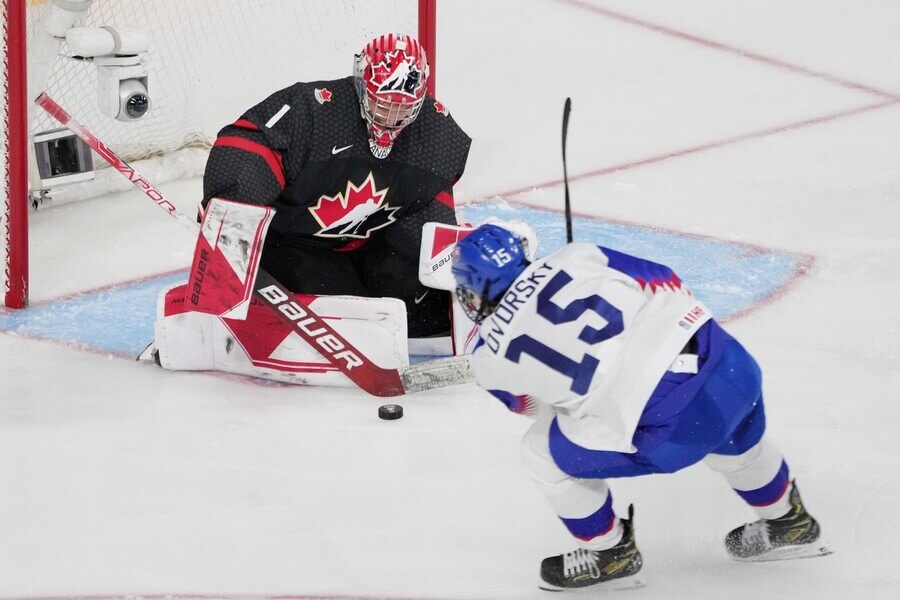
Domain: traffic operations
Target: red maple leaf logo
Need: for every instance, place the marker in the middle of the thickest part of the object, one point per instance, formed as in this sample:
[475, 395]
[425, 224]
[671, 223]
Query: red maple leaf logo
[397, 73]
[356, 213]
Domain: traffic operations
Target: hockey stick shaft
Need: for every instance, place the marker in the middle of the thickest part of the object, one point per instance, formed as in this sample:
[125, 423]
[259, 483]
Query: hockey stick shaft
[309, 326]
[567, 108]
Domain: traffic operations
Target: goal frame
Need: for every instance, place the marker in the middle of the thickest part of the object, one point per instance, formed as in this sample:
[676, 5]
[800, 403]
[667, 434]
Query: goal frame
[16, 172]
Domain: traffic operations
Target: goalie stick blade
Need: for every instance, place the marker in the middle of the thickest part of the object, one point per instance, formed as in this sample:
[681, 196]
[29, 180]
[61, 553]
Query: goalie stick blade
[443, 372]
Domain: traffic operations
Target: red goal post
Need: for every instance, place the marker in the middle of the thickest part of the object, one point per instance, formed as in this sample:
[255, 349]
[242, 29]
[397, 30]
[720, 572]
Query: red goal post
[208, 61]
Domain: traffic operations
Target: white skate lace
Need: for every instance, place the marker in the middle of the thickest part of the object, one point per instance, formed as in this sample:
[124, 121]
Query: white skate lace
[579, 561]
[756, 535]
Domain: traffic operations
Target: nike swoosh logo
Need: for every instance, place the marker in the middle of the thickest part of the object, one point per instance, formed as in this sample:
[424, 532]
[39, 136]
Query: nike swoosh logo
[420, 298]
[336, 150]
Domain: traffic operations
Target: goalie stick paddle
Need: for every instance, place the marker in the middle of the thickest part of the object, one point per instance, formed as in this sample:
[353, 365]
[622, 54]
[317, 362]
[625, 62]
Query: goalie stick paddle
[567, 108]
[308, 325]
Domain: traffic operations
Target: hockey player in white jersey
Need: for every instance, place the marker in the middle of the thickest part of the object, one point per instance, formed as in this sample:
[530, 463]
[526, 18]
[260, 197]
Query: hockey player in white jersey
[627, 374]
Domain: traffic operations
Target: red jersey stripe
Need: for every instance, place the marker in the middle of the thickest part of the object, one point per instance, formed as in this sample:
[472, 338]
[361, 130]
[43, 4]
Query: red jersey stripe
[245, 124]
[446, 198]
[272, 158]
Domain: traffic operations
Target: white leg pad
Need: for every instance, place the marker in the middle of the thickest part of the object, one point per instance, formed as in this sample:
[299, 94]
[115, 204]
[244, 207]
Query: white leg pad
[261, 346]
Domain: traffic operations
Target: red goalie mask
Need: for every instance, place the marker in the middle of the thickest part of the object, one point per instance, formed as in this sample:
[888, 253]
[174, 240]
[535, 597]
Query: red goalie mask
[391, 73]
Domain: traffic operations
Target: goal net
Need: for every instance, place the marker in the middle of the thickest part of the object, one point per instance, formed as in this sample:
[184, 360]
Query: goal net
[208, 61]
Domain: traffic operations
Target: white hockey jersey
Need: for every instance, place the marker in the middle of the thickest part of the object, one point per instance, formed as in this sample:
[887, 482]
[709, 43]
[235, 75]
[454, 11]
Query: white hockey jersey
[590, 332]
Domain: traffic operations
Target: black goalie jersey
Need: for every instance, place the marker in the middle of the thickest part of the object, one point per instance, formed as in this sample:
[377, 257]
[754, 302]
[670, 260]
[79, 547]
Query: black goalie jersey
[304, 150]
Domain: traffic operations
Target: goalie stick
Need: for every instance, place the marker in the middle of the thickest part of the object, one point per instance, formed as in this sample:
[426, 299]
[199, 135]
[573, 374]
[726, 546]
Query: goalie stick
[304, 322]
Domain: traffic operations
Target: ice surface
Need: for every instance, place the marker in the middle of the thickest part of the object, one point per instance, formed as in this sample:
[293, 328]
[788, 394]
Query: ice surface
[118, 478]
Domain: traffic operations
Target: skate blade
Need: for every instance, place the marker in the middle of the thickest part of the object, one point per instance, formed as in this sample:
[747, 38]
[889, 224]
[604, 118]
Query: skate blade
[813, 550]
[623, 584]
[146, 354]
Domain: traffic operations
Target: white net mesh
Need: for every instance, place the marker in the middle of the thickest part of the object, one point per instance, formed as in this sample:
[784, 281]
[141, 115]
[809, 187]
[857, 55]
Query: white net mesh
[209, 60]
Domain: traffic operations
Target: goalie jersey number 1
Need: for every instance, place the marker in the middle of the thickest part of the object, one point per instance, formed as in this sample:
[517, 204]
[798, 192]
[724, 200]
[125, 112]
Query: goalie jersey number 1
[581, 373]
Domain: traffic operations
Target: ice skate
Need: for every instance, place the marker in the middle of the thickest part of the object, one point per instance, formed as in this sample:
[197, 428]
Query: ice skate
[615, 568]
[149, 354]
[794, 535]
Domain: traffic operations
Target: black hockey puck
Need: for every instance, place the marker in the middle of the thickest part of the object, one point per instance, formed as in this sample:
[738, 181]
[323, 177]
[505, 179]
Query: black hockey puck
[390, 412]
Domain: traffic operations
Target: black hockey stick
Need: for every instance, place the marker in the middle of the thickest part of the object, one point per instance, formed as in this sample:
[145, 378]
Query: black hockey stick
[298, 315]
[567, 108]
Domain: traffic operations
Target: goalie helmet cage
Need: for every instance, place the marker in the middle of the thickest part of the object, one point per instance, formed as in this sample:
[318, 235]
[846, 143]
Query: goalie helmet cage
[209, 60]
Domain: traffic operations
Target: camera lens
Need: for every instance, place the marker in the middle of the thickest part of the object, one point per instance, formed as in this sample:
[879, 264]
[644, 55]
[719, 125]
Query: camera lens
[137, 105]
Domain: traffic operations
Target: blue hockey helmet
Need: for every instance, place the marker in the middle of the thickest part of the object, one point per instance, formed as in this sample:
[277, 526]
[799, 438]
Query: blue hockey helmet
[485, 264]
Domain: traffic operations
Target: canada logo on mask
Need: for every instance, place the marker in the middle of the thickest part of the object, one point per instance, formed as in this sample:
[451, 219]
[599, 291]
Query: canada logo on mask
[356, 213]
[398, 74]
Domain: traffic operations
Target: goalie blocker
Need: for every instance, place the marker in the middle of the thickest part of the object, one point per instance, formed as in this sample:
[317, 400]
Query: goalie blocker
[214, 322]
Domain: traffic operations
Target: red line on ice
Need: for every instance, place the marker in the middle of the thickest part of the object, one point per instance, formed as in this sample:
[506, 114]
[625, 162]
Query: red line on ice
[746, 54]
[744, 137]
